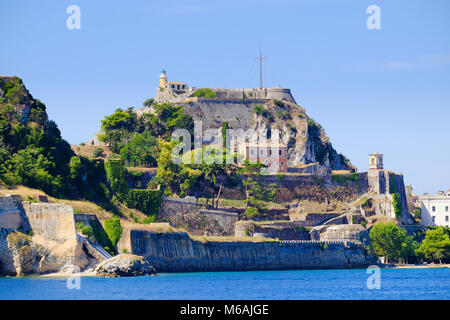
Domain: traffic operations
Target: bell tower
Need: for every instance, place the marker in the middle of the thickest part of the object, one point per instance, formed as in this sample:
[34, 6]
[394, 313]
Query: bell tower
[376, 161]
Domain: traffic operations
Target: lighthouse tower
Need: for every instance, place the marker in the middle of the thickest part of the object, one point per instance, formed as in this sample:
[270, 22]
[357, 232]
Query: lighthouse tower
[162, 78]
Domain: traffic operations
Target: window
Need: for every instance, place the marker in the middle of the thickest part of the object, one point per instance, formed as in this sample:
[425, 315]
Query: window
[434, 218]
[446, 218]
[279, 152]
[270, 152]
[433, 208]
[446, 208]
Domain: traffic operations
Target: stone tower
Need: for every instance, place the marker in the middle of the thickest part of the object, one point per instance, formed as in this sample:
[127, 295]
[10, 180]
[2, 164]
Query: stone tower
[376, 161]
[377, 176]
[162, 78]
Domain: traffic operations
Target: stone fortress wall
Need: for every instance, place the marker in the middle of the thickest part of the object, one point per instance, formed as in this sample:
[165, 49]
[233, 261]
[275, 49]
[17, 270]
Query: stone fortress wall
[178, 92]
[177, 252]
[187, 214]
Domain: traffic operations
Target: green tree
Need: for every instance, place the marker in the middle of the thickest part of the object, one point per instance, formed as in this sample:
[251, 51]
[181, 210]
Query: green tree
[148, 102]
[140, 151]
[391, 242]
[435, 246]
[76, 168]
[117, 128]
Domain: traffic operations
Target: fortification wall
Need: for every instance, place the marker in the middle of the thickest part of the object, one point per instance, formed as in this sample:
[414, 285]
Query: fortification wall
[258, 94]
[306, 187]
[53, 221]
[274, 230]
[397, 185]
[176, 252]
[11, 213]
[213, 112]
[186, 214]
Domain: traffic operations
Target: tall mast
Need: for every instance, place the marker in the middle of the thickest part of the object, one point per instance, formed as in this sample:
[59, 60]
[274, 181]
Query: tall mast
[260, 58]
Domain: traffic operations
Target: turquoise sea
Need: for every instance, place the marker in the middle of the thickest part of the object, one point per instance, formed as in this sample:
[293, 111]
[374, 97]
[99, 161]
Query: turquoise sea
[302, 284]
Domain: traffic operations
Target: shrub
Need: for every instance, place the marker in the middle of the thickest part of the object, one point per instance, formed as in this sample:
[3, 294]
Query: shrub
[99, 152]
[205, 92]
[87, 231]
[344, 178]
[279, 103]
[417, 212]
[115, 173]
[147, 201]
[149, 219]
[397, 204]
[114, 230]
[260, 110]
[251, 212]
[366, 202]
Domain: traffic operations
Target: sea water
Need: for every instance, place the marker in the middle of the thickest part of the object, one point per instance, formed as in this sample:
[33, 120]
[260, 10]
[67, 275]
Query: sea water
[432, 283]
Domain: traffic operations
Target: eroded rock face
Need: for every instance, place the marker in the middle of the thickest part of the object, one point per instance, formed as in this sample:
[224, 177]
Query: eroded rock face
[26, 255]
[125, 265]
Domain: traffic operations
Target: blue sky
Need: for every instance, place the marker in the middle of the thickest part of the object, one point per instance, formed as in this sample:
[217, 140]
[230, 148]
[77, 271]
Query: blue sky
[382, 90]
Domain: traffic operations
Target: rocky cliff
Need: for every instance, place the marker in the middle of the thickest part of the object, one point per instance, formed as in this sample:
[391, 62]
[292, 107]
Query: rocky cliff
[305, 139]
[176, 252]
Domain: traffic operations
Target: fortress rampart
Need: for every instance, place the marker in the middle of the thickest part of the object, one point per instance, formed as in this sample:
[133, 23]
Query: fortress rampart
[255, 94]
[176, 252]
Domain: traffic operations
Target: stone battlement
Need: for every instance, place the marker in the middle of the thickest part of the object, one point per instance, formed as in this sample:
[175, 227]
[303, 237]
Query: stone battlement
[178, 92]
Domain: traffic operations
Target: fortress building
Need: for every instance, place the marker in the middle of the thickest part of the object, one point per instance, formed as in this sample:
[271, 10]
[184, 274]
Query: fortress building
[179, 92]
[271, 155]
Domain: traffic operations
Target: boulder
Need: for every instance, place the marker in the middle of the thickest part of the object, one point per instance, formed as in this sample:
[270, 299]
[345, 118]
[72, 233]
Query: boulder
[125, 265]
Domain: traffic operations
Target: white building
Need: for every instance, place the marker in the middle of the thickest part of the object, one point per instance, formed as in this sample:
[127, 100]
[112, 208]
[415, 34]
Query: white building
[436, 209]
